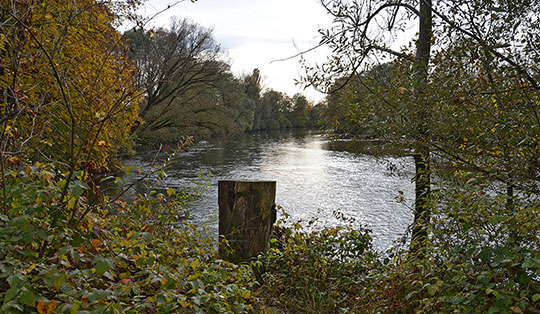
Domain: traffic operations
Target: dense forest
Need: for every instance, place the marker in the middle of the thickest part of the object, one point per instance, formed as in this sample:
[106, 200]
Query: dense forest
[463, 100]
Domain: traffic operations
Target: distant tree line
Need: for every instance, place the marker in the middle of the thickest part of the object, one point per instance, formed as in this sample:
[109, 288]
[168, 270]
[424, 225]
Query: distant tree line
[189, 88]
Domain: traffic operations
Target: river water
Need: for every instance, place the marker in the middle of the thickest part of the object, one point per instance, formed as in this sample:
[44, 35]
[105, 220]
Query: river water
[316, 179]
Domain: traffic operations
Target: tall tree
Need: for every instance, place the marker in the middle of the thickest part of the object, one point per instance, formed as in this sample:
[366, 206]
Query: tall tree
[362, 36]
[68, 99]
[67, 84]
[253, 84]
[493, 58]
[274, 106]
[359, 38]
[422, 211]
[253, 88]
[172, 63]
[218, 109]
[300, 111]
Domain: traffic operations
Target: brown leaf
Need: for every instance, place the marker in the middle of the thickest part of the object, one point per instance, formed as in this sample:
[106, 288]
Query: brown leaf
[516, 309]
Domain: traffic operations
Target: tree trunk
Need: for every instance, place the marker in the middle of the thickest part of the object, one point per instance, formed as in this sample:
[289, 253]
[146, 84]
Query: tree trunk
[246, 215]
[509, 195]
[422, 210]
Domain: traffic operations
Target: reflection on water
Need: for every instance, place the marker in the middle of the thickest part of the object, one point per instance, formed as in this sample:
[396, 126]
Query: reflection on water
[313, 180]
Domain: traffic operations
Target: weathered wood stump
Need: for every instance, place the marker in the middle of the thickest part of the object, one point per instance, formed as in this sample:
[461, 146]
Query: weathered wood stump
[246, 215]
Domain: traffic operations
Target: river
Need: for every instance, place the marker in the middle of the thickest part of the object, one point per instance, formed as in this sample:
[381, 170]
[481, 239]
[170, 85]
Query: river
[315, 179]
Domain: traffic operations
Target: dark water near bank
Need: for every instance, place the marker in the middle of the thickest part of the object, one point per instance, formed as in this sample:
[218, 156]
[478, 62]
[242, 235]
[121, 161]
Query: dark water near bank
[315, 178]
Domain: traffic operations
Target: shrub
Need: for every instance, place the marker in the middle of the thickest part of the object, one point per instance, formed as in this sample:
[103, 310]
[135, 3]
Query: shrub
[100, 262]
[318, 272]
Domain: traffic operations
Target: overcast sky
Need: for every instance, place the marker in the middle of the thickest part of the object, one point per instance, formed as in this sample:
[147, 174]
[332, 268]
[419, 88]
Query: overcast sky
[255, 32]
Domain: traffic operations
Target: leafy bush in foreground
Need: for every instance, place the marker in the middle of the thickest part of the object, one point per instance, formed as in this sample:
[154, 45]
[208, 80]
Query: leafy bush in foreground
[321, 272]
[104, 263]
[483, 257]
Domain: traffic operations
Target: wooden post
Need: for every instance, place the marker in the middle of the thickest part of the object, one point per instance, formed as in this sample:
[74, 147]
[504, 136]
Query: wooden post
[247, 212]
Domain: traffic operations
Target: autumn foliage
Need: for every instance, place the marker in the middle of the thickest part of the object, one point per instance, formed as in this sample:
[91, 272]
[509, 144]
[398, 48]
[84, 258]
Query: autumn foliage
[68, 89]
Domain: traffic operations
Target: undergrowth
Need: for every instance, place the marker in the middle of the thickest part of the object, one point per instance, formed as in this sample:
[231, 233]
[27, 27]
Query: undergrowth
[71, 255]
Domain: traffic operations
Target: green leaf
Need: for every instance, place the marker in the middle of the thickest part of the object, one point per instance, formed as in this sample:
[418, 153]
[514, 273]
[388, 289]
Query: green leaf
[74, 308]
[101, 266]
[456, 300]
[108, 275]
[432, 290]
[493, 309]
[119, 181]
[28, 298]
[61, 183]
[105, 179]
[71, 203]
[56, 279]
[528, 264]
[130, 168]
[536, 297]
[77, 188]
[93, 297]
[15, 280]
[171, 192]
[10, 294]
[162, 175]
[524, 278]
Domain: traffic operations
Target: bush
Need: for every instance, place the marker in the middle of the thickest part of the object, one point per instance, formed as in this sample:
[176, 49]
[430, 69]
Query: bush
[483, 257]
[134, 261]
[319, 272]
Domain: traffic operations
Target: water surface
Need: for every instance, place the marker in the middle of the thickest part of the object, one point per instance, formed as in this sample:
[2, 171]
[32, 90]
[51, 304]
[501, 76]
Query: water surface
[315, 180]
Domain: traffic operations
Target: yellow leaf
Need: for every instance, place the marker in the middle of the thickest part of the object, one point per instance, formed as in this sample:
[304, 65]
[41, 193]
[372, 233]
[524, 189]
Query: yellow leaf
[71, 203]
[246, 294]
[29, 269]
[42, 307]
[52, 306]
[195, 263]
[46, 308]
[46, 143]
[13, 160]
